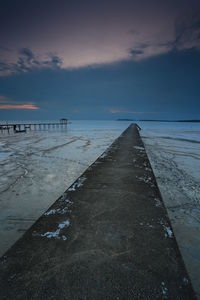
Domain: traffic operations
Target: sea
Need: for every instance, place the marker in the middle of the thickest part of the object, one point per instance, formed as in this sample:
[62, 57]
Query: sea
[38, 166]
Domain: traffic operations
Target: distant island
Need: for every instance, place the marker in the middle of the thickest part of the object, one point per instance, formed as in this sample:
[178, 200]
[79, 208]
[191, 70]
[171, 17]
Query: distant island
[125, 120]
[149, 120]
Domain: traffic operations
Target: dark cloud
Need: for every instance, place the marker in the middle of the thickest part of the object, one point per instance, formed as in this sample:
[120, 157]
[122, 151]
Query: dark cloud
[140, 52]
[187, 37]
[27, 61]
[27, 54]
[136, 52]
[54, 61]
[187, 33]
[90, 33]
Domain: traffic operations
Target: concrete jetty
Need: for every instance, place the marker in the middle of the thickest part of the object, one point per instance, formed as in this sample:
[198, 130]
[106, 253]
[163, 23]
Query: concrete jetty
[107, 237]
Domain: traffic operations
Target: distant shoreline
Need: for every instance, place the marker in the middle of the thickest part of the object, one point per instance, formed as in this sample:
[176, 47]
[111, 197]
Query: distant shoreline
[189, 121]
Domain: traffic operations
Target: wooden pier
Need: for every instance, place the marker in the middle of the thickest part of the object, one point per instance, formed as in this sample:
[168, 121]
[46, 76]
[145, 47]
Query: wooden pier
[24, 127]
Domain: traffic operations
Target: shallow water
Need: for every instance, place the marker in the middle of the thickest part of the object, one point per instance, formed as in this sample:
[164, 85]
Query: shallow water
[37, 167]
[174, 152]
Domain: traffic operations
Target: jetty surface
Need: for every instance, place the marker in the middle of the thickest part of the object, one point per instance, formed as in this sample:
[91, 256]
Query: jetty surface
[107, 237]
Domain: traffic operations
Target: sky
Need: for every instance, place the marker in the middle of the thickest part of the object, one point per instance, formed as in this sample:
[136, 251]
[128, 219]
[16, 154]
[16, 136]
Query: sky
[99, 59]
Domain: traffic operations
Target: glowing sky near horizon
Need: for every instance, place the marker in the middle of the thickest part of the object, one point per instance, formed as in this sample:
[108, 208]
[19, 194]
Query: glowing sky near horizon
[28, 106]
[8, 104]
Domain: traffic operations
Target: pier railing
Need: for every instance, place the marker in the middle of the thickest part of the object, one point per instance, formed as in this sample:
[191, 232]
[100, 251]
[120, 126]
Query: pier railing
[23, 127]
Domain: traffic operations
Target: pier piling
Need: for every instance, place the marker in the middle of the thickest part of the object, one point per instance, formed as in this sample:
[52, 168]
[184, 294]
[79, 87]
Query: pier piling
[22, 127]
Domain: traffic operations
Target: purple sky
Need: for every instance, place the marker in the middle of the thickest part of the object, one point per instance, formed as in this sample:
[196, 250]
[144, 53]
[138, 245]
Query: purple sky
[73, 35]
